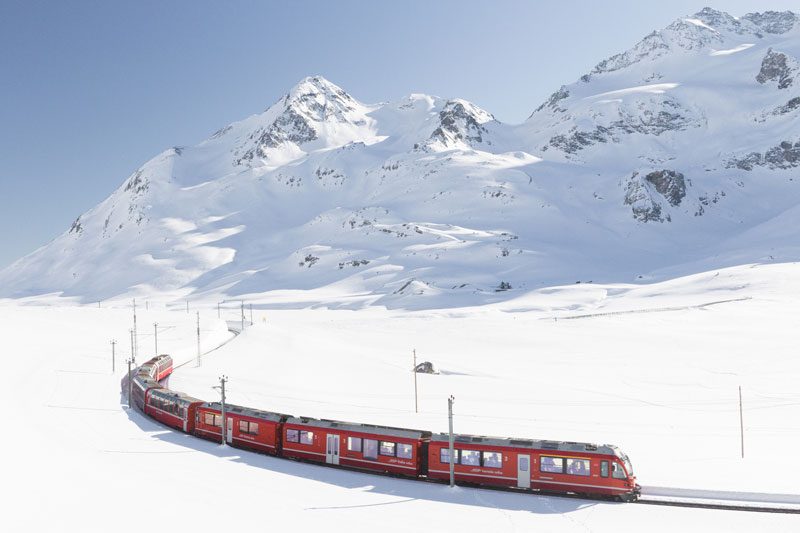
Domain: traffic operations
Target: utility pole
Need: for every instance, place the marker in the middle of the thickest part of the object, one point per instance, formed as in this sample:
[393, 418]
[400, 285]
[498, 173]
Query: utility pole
[135, 335]
[450, 401]
[113, 356]
[133, 353]
[130, 382]
[242, 316]
[199, 355]
[222, 381]
[147, 305]
[218, 309]
[741, 420]
[187, 307]
[414, 370]
[251, 314]
[155, 330]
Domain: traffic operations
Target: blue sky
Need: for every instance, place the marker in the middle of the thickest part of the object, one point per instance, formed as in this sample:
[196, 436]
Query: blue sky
[91, 90]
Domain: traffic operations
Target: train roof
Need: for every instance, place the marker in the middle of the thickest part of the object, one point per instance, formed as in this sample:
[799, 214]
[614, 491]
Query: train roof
[246, 411]
[175, 396]
[361, 428]
[533, 444]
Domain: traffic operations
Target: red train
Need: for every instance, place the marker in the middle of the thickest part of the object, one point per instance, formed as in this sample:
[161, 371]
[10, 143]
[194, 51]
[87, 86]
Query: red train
[538, 465]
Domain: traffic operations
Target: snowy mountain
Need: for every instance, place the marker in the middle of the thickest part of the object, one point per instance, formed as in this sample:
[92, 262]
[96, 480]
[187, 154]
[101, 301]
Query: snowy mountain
[675, 156]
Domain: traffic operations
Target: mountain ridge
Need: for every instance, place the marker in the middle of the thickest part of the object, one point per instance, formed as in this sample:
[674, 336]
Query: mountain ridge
[651, 161]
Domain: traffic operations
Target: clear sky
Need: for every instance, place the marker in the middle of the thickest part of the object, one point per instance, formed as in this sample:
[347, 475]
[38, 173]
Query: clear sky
[90, 90]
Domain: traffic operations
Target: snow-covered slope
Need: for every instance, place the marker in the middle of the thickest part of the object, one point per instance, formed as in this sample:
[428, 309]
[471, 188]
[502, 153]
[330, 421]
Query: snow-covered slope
[675, 156]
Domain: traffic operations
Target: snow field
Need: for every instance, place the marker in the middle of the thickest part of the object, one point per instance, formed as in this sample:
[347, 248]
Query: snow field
[661, 384]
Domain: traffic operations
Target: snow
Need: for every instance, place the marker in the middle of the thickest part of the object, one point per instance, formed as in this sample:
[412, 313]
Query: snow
[699, 23]
[730, 51]
[653, 368]
[656, 88]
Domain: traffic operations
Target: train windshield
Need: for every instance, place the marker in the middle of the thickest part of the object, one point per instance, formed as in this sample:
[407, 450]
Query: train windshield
[628, 466]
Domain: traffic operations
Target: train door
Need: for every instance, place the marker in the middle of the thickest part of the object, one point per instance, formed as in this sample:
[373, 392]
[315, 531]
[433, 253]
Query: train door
[229, 431]
[524, 471]
[332, 450]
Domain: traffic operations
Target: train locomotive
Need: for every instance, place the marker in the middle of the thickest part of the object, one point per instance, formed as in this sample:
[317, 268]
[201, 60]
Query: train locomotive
[584, 469]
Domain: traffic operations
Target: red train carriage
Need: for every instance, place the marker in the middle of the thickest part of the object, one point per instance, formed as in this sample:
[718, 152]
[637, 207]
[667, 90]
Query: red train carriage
[362, 446]
[246, 428]
[160, 367]
[534, 464]
[141, 384]
[175, 409]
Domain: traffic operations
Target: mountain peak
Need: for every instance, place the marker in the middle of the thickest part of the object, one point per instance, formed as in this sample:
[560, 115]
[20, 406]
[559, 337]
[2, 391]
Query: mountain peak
[314, 114]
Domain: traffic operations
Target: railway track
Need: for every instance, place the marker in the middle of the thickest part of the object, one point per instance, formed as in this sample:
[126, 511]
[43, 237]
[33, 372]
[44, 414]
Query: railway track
[755, 508]
[755, 502]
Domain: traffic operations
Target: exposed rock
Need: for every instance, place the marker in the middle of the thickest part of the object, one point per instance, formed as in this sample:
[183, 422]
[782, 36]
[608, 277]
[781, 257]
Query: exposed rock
[669, 184]
[784, 156]
[639, 194]
[552, 102]
[773, 21]
[460, 121]
[777, 66]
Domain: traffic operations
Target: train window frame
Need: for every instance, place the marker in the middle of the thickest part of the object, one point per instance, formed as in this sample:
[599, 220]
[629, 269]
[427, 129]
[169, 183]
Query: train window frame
[351, 441]
[617, 467]
[292, 435]
[306, 437]
[446, 451]
[604, 469]
[551, 470]
[214, 419]
[496, 456]
[585, 469]
[385, 444]
[248, 428]
[365, 444]
[470, 457]
[405, 451]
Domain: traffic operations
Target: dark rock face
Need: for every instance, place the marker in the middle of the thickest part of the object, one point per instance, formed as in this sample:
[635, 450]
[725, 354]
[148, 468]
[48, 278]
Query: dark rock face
[784, 156]
[457, 123]
[640, 194]
[552, 102]
[788, 107]
[669, 184]
[776, 67]
[776, 22]
[671, 117]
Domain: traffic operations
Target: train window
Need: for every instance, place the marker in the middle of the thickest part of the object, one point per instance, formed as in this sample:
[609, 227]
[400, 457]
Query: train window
[405, 451]
[354, 444]
[444, 456]
[387, 448]
[617, 471]
[306, 437]
[554, 465]
[492, 459]
[603, 468]
[292, 435]
[578, 467]
[210, 419]
[247, 427]
[471, 457]
[370, 449]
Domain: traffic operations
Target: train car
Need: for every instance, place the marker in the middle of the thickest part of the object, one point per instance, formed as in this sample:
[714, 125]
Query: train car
[141, 384]
[363, 446]
[246, 428]
[572, 467]
[161, 367]
[174, 409]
